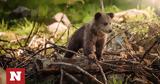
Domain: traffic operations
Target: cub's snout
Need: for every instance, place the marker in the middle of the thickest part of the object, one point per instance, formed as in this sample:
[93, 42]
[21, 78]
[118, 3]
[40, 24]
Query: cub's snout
[110, 30]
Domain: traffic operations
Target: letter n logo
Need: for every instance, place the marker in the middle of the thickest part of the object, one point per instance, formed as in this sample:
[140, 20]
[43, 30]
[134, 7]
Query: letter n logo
[15, 75]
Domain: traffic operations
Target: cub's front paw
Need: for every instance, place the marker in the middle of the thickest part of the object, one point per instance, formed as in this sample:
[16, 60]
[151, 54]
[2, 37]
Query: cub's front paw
[92, 57]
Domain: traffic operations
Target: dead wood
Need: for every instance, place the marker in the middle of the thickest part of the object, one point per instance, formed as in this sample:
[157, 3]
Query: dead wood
[120, 68]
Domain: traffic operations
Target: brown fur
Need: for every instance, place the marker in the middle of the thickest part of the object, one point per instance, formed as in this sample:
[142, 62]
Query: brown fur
[91, 37]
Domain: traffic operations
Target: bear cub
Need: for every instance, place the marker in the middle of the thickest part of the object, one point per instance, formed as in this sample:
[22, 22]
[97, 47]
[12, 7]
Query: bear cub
[91, 36]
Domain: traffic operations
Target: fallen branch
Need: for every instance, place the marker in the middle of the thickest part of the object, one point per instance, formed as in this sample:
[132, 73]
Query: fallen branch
[72, 77]
[80, 69]
[148, 50]
[102, 72]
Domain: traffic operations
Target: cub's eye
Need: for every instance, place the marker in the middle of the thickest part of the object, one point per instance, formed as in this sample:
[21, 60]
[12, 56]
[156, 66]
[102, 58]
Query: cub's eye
[105, 23]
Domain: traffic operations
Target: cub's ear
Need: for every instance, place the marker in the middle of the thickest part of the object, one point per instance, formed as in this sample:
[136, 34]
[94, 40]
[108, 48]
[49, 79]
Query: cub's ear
[110, 15]
[97, 15]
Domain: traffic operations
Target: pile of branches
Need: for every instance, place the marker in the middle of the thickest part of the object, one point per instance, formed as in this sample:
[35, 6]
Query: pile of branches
[40, 67]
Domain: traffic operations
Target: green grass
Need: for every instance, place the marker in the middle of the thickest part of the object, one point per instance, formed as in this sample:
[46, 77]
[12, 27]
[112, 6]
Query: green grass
[3, 26]
[115, 79]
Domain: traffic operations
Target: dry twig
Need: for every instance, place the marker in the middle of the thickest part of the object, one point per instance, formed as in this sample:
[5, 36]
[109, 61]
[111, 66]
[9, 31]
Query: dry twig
[80, 69]
[72, 77]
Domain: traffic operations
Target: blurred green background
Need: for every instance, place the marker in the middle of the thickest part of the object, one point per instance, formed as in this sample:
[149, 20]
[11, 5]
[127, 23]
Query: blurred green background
[78, 11]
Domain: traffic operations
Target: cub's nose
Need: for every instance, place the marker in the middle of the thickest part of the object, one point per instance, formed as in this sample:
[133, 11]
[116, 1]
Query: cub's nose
[110, 31]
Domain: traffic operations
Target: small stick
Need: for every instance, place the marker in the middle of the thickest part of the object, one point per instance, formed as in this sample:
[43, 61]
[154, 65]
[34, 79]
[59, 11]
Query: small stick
[158, 50]
[58, 25]
[102, 5]
[1, 47]
[72, 77]
[30, 33]
[147, 51]
[4, 40]
[65, 8]
[61, 79]
[55, 46]
[102, 72]
[60, 36]
[80, 69]
[18, 41]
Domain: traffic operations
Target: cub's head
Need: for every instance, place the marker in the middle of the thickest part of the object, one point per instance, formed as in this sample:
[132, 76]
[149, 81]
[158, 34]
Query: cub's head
[103, 21]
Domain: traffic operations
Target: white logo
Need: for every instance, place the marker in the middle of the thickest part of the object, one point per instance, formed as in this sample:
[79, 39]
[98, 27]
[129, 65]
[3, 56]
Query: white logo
[15, 75]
